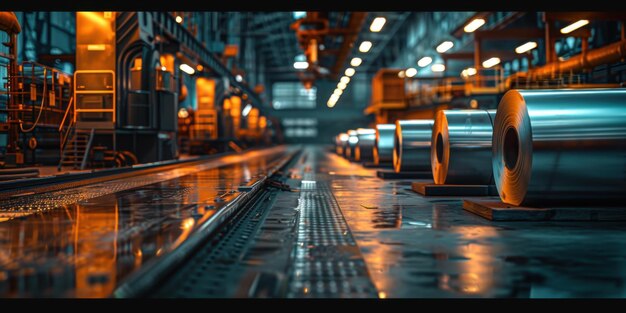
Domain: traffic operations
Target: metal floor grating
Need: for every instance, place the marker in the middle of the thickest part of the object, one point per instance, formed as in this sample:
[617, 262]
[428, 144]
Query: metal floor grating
[327, 263]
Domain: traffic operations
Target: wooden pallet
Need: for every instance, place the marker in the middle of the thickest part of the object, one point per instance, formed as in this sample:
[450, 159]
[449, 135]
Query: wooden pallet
[374, 165]
[390, 174]
[495, 210]
[430, 189]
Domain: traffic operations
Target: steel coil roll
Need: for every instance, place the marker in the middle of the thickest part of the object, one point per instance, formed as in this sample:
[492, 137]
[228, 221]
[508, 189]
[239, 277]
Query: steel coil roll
[351, 144]
[411, 147]
[461, 147]
[365, 146]
[340, 142]
[383, 144]
[555, 147]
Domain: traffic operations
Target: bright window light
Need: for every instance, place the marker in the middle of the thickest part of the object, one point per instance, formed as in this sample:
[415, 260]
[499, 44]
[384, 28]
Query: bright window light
[445, 46]
[491, 62]
[574, 26]
[365, 46]
[349, 72]
[423, 62]
[474, 25]
[377, 24]
[345, 79]
[526, 47]
[438, 67]
[356, 62]
[301, 65]
[410, 72]
[187, 69]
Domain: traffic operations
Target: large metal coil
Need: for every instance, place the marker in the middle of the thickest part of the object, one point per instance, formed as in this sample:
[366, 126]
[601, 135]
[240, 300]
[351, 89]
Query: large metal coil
[365, 146]
[351, 144]
[383, 144]
[461, 147]
[558, 147]
[411, 147]
[340, 142]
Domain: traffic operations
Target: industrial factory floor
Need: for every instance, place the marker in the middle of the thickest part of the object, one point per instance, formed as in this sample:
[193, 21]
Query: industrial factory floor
[339, 232]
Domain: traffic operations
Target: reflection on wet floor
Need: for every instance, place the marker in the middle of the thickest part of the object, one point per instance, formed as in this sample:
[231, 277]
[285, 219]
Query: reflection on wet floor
[84, 248]
[430, 247]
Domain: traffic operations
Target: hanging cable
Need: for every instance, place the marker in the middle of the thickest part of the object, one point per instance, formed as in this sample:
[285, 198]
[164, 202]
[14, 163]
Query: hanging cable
[43, 98]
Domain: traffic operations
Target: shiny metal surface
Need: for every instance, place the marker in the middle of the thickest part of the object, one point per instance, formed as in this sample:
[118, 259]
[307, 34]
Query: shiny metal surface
[461, 147]
[411, 148]
[364, 151]
[383, 145]
[559, 146]
[351, 145]
[340, 142]
[86, 245]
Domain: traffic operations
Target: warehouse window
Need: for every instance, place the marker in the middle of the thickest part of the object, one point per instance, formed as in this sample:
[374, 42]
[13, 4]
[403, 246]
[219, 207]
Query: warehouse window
[300, 127]
[293, 95]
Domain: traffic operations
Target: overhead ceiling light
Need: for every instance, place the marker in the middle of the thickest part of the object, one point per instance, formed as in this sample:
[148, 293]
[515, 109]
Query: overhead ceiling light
[345, 79]
[474, 25]
[401, 74]
[349, 72]
[179, 19]
[334, 97]
[377, 24]
[246, 110]
[338, 91]
[423, 62]
[331, 104]
[187, 69]
[199, 67]
[342, 86]
[491, 62]
[445, 46]
[526, 47]
[301, 65]
[438, 67]
[238, 78]
[365, 46]
[410, 72]
[356, 62]
[574, 26]
[470, 71]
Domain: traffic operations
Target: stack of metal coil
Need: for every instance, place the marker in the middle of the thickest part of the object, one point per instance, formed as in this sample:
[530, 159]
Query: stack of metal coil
[383, 144]
[411, 148]
[364, 151]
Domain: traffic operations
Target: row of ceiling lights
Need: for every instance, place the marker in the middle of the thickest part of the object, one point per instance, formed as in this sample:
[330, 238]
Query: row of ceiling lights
[471, 27]
[364, 47]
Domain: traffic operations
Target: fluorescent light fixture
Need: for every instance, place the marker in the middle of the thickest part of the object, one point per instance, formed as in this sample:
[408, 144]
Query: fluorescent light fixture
[410, 72]
[574, 26]
[438, 67]
[345, 79]
[377, 24]
[445, 46]
[470, 71]
[423, 62]
[356, 62]
[246, 110]
[331, 104]
[300, 65]
[474, 25]
[187, 69]
[338, 91]
[365, 46]
[334, 97]
[179, 19]
[238, 78]
[491, 62]
[526, 47]
[342, 86]
[349, 72]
